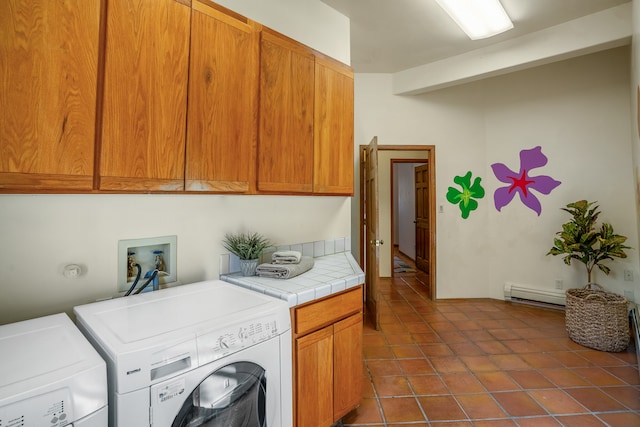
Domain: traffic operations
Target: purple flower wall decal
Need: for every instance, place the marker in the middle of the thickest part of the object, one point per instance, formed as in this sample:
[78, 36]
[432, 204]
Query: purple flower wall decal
[522, 182]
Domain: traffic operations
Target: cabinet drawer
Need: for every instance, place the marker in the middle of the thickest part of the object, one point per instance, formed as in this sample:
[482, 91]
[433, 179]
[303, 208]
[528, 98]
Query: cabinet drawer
[327, 311]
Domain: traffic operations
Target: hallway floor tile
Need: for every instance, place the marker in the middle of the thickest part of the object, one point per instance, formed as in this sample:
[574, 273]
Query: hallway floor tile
[482, 362]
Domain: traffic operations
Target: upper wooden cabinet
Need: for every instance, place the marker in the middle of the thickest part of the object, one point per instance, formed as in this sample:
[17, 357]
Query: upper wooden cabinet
[142, 144]
[306, 120]
[285, 149]
[48, 69]
[333, 128]
[167, 96]
[223, 102]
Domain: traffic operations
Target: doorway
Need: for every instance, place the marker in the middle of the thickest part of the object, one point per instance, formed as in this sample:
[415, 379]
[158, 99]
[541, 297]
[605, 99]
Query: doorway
[409, 212]
[386, 155]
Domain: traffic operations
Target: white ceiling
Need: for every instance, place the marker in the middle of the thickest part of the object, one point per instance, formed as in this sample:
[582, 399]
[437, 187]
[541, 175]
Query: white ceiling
[389, 36]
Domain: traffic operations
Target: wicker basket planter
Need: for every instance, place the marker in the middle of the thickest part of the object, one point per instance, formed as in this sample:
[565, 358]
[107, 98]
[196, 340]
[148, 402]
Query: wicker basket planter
[598, 319]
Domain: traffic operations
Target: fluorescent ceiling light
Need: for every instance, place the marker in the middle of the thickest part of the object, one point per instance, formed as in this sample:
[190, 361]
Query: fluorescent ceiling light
[478, 18]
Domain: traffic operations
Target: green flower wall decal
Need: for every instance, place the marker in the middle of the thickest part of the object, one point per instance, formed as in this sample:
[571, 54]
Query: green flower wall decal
[465, 199]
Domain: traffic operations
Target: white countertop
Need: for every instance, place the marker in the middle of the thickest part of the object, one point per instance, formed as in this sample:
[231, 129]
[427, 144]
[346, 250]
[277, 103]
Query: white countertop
[330, 274]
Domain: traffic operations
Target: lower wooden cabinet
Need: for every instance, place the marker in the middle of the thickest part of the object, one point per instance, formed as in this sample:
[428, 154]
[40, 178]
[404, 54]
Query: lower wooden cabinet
[327, 359]
[314, 379]
[347, 365]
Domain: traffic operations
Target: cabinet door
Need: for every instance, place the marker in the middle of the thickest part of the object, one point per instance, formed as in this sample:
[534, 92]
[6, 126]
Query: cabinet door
[48, 74]
[347, 365]
[222, 121]
[333, 128]
[314, 379]
[285, 148]
[145, 95]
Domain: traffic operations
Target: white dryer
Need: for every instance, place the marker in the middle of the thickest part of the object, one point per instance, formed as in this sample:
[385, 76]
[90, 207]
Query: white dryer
[50, 376]
[205, 354]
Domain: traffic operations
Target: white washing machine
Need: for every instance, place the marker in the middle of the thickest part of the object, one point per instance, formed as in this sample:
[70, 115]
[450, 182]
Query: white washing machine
[50, 376]
[205, 354]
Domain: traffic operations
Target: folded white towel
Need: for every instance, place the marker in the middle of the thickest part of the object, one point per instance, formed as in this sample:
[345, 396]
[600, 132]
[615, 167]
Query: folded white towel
[286, 257]
[285, 271]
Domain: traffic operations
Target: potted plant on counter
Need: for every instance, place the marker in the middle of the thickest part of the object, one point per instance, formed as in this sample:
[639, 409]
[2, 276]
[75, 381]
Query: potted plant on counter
[247, 247]
[594, 317]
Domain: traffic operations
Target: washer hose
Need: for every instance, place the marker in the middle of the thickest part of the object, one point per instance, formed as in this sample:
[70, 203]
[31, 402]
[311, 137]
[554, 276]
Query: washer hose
[153, 276]
[135, 282]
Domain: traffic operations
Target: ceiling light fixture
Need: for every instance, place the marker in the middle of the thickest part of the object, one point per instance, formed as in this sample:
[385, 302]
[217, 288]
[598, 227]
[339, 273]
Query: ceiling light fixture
[479, 19]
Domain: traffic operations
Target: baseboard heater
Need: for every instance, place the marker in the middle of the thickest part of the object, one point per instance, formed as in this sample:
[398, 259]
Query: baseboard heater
[535, 296]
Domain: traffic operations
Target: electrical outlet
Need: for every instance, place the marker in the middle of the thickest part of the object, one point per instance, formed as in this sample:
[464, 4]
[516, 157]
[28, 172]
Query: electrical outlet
[628, 275]
[559, 284]
[628, 294]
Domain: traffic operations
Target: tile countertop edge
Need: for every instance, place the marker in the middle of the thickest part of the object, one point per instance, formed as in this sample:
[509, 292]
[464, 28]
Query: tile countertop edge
[333, 273]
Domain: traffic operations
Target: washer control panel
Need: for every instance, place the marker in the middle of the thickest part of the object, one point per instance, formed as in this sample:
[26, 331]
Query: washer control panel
[222, 342]
[51, 409]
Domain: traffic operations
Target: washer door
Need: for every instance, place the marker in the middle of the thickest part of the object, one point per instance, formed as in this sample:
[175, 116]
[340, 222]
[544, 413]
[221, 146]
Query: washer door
[219, 387]
[232, 396]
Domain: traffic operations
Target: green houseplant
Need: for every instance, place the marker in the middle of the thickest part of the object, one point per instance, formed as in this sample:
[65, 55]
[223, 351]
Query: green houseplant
[247, 247]
[582, 241]
[594, 318]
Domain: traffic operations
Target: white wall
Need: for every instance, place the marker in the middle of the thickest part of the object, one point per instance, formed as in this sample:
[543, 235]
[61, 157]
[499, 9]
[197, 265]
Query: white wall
[40, 234]
[310, 22]
[577, 110]
[606, 29]
[43, 233]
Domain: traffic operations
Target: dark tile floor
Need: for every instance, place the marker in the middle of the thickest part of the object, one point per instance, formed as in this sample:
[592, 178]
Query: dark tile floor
[486, 362]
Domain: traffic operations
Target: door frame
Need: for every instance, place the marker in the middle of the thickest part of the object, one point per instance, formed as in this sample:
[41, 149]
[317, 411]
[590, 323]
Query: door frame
[431, 160]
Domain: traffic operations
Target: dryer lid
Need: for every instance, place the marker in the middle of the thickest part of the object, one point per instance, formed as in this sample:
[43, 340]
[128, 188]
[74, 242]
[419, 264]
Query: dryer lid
[44, 354]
